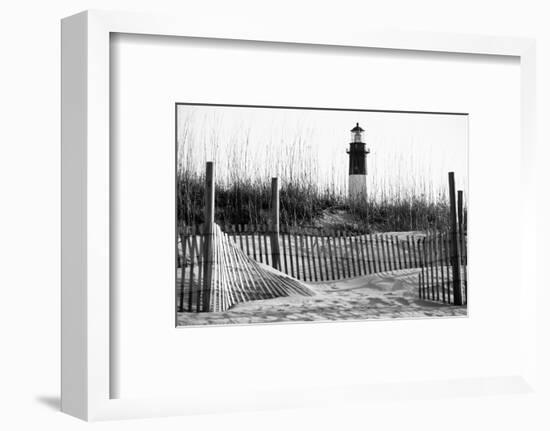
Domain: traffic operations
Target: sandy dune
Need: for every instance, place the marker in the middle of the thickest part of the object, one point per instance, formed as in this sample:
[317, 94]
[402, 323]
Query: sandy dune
[378, 296]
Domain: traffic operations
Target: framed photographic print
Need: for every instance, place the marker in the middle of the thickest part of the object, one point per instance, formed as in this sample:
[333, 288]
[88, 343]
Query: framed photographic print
[286, 215]
[235, 196]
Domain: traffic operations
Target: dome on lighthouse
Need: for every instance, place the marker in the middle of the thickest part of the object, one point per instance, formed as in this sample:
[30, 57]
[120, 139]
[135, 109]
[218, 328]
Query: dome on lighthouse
[357, 133]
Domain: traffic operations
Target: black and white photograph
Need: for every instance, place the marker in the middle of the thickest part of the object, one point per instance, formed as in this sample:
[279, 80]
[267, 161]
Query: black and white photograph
[266, 216]
[290, 214]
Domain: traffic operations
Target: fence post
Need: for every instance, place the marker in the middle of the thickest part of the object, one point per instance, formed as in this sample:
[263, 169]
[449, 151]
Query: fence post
[460, 203]
[182, 231]
[208, 229]
[275, 221]
[462, 243]
[455, 257]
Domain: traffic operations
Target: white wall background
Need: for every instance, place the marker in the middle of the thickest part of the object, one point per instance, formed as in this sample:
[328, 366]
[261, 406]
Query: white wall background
[29, 214]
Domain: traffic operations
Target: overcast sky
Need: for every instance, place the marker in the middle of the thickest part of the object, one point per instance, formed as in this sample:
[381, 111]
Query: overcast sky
[406, 149]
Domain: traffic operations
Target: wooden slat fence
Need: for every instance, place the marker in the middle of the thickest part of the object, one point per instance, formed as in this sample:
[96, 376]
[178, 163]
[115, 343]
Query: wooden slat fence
[235, 276]
[444, 276]
[318, 255]
[435, 280]
[306, 254]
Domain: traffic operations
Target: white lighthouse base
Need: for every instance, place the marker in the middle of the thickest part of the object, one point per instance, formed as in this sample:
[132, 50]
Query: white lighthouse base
[357, 189]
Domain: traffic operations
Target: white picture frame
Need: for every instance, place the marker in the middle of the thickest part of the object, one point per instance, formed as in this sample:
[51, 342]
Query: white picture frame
[86, 299]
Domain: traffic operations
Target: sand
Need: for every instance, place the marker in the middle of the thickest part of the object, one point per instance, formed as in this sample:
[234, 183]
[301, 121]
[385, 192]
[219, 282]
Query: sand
[378, 296]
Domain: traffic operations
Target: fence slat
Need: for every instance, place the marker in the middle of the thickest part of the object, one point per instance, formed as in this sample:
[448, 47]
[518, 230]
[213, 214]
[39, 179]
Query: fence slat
[426, 264]
[266, 244]
[427, 258]
[183, 261]
[258, 241]
[416, 244]
[375, 268]
[386, 253]
[304, 274]
[290, 250]
[283, 243]
[267, 248]
[383, 250]
[389, 252]
[331, 257]
[443, 268]
[435, 265]
[316, 257]
[397, 253]
[256, 244]
[347, 252]
[432, 263]
[325, 260]
[240, 230]
[297, 256]
[337, 259]
[379, 255]
[343, 254]
[400, 253]
[394, 252]
[192, 266]
[415, 253]
[438, 267]
[302, 257]
[357, 251]
[307, 240]
[409, 253]
[448, 265]
[339, 253]
[364, 253]
[200, 266]
[352, 258]
[252, 237]
[246, 235]
[363, 244]
[316, 263]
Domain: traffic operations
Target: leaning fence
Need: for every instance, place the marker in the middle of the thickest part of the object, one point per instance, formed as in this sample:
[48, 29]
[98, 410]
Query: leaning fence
[234, 276]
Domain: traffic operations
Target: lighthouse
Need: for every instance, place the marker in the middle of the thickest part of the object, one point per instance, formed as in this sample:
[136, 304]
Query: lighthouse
[357, 187]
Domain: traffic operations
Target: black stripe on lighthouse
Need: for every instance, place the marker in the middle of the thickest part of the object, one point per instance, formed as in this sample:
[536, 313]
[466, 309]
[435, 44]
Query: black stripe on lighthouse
[357, 152]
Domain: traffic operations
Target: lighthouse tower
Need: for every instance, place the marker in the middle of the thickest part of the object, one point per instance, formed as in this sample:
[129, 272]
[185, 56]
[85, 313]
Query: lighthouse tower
[357, 166]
